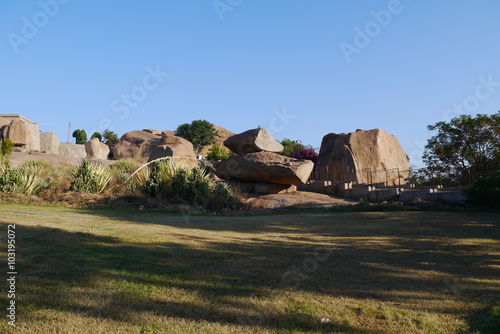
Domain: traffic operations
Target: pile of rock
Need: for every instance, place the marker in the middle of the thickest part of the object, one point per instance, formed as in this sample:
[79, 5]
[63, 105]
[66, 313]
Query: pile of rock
[259, 167]
[147, 145]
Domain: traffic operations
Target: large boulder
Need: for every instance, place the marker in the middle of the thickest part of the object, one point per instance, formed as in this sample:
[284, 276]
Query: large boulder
[265, 167]
[222, 135]
[23, 132]
[135, 145]
[176, 147]
[96, 149]
[255, 140]
[4, 126]
[19, 132]
[364, 156]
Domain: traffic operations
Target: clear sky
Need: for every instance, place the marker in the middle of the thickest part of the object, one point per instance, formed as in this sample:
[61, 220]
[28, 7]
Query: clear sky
[300, 68]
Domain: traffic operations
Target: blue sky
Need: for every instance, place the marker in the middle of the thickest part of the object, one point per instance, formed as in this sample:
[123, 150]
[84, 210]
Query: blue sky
[300, 68]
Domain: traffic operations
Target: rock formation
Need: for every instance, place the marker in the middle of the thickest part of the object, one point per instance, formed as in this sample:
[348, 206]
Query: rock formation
[96, 149]
[266, 167]
[255, 140]
[135, 145]
[22, 131]
[223, 134]
[369, 156]
[173, 146]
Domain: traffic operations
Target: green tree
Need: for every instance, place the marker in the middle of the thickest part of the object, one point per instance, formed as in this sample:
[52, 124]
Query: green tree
[110, 136]
[217, 153]
[465, 148]
[6, 148]
[199, 133]
[291, 146]
[80, 136]
[97, 135]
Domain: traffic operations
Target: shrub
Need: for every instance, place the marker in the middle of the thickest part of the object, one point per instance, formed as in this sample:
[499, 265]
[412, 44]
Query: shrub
[10, 179]
[217, 153]
[34, 176]
[485, 191]
[199, 133]
[221, 196]
[155, 184]
[307, 152]
[6, 148]
[290, 146]
[91, 178]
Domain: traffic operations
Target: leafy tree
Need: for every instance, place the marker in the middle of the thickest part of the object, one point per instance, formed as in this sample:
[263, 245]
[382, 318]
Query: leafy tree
[6, 148]
[485, 191]
[80, 136]
[465, 147]
[217, 153]
[110, 136]
[97, 135]
[199, 133]
[290, 146]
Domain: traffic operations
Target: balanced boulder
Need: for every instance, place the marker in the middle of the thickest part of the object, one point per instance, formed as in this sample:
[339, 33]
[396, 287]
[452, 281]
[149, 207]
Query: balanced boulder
[255, 140]
[364, 156]
[96, 149]
[136, 145]
[265, 167]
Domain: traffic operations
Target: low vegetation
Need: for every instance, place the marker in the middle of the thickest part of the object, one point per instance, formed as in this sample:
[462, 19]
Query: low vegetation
[164, 181]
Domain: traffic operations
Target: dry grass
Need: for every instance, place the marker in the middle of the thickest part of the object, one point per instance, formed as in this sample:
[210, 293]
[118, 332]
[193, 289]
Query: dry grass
[83, 271]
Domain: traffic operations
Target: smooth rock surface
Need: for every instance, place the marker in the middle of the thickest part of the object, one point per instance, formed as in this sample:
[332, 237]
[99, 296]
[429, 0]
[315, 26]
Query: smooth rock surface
[255, 140]
[96, 149]
[265, 167]
[364, 156]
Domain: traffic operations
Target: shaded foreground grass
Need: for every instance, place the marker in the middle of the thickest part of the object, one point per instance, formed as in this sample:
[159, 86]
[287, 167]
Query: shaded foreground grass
[84, 271]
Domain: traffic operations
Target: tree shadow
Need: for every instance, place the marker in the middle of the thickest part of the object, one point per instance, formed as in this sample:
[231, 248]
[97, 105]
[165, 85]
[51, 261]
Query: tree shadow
[377, 257]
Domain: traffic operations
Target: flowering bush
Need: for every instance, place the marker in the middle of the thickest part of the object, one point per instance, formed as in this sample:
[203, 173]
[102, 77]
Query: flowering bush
[307, 152]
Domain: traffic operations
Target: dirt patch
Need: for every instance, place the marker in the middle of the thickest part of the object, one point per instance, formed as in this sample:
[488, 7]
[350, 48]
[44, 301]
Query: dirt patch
[19, 158]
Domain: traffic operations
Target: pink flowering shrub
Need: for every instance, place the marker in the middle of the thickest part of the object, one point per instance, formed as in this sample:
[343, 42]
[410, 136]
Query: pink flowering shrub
[307, 152]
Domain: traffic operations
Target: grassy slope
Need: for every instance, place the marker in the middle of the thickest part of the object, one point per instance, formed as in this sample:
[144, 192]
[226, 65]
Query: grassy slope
[140, 272]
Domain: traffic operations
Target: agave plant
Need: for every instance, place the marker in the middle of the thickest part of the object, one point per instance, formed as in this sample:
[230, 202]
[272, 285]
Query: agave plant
[90, 177]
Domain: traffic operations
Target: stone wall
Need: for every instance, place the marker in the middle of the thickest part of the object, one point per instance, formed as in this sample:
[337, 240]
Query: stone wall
[73, 150]
[49, 142]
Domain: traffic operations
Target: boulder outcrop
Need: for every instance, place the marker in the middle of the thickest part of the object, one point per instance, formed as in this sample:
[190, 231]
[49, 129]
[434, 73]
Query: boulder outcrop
[176, 147]
[223, 134]
[265, 167]
[96, 149]
[364, 156]
[135, 145]
[255, 140]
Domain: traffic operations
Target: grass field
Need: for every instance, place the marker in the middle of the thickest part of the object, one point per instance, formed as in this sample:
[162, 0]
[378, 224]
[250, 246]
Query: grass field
[97, 271]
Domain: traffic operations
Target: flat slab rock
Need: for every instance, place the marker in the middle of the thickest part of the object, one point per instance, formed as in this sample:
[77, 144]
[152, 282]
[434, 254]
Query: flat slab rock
[266, 167]
[255, 140]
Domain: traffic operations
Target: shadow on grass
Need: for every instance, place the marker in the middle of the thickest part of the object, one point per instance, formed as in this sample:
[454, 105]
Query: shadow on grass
[102, 277]
[389, 258]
